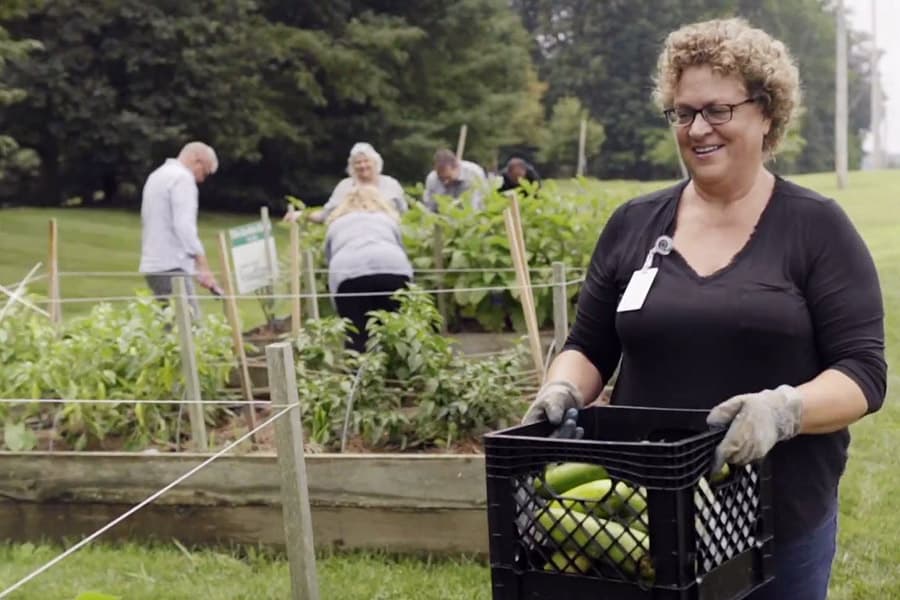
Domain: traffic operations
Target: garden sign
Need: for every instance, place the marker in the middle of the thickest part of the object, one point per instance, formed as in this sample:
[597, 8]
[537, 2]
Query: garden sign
[248, 251]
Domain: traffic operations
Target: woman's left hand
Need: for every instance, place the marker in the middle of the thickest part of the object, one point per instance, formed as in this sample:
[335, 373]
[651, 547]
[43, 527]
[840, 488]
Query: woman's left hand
[756, 422]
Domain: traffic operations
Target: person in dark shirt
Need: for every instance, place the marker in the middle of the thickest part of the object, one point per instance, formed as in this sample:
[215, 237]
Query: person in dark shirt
[516, 170]
[763, 303]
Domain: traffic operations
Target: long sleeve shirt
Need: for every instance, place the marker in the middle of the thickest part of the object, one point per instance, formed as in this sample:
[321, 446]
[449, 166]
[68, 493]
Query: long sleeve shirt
[169, 237]
[471, 177]
[389, 188]
[801, 297]
[364, 243]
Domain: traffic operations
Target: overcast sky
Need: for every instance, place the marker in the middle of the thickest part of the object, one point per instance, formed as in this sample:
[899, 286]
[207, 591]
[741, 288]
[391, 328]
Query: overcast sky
[888, 39]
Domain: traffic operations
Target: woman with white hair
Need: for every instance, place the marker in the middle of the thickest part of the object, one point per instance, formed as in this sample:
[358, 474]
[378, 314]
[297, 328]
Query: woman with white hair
[364, 168]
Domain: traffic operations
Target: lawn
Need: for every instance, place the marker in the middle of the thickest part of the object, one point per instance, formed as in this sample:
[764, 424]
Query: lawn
[132, 572]
[869, 552]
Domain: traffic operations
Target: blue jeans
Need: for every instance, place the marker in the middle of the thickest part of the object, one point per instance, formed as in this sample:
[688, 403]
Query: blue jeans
[803, 567]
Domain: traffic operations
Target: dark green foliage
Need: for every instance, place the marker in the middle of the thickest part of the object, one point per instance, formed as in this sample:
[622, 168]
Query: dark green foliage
[115, 353]
[413, 389]
[604, 53]
[280, 89]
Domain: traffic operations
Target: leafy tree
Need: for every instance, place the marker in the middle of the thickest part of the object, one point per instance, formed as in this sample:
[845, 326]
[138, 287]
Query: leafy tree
[120, 85]
[281, 90]
[604, 53]
[14, 160]
[560, 146]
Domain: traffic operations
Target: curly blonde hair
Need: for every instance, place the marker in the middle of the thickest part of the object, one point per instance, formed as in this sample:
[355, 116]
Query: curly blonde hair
[733, 47]
[364, 198]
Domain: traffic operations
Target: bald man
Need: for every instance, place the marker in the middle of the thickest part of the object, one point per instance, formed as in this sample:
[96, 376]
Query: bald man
[170, 246]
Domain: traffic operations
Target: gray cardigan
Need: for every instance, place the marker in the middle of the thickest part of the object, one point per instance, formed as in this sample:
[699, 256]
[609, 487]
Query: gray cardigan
[364, 243]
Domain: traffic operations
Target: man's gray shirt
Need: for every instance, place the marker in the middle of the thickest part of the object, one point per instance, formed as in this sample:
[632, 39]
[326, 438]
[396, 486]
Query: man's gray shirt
[471, 177]
[169, 237]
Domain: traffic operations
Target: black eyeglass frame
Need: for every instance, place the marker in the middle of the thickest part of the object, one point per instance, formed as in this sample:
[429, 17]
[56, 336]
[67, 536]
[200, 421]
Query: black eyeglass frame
[672, 118]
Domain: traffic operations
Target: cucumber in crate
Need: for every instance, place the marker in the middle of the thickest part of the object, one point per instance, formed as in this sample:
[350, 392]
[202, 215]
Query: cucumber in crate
[628, 512]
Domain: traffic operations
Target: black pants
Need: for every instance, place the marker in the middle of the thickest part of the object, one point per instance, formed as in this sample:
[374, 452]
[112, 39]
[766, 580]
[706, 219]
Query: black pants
[356, 307]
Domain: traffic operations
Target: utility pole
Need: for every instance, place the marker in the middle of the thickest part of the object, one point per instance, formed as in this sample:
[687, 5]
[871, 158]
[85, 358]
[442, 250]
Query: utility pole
[875, 123]
[840, 109]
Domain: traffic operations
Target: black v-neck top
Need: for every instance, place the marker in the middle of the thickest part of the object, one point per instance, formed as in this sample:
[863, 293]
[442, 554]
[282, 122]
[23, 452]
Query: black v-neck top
[800, 297]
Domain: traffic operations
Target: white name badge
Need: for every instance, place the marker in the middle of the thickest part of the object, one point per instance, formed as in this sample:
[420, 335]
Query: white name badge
[637, 290]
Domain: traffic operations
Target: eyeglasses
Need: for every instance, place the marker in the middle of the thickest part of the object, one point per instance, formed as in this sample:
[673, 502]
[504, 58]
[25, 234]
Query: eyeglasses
[714, 114]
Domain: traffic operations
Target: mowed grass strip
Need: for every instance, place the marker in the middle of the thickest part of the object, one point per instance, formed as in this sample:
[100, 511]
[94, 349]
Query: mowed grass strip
[134, 572]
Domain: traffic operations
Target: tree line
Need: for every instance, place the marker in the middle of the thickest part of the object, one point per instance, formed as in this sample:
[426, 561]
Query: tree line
[93, 95]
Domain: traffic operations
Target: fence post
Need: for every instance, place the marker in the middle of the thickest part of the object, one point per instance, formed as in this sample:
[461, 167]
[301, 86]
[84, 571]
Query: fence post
[309, 268]
[292, 465]
[189, 365]
[560, 307]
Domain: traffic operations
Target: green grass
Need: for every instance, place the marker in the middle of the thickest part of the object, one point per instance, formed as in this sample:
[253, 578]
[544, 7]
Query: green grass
[868, 553]
[101, 241]
[132, 572]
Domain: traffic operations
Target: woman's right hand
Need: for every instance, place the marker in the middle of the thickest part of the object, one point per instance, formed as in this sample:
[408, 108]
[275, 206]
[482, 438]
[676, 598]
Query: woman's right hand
[552, 401]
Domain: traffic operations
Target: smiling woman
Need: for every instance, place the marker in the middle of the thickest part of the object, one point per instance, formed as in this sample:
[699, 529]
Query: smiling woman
[767, 311]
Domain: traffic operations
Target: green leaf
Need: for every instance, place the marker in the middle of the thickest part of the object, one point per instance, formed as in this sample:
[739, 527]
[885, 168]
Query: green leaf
[19, 438]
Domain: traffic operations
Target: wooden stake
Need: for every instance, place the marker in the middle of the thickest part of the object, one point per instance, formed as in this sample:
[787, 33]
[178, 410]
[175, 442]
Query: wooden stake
[296, 315]
[582, 140]
[267, 237]
[53, 274]
[439, 266]
[298, 530]
[237, 338]
[521, 266]
[189, 365]
[560, 307]
[309, 267]
[461, 142]
[520, 239]
[840, 112]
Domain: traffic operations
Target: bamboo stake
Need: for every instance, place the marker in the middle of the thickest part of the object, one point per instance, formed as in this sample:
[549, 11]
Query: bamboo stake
[237, 338]
[53, 274]
[296, 314]
[310, 268]
[521, 266]
[439, 266]
[582, 140]
[461, 142]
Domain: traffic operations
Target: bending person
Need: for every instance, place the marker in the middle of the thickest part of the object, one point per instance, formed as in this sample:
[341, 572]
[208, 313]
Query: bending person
[366, 258]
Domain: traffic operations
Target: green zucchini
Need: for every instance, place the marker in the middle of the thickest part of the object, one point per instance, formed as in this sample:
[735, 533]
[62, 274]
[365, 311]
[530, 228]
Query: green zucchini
[560, 478]
[568, 562]
[599, 539]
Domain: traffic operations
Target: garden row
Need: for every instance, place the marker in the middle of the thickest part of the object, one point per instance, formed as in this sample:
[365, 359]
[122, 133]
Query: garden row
[411, 390]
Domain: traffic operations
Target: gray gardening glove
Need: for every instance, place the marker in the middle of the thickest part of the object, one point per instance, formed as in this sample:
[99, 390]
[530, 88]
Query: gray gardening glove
[755, 422]
[552, 401]
[569, 430]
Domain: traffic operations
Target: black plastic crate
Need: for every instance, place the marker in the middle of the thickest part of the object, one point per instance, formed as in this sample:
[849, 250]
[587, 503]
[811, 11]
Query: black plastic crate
[701, 539]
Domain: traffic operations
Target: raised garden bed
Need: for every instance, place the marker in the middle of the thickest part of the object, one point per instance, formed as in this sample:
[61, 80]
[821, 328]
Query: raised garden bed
[402, 503]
